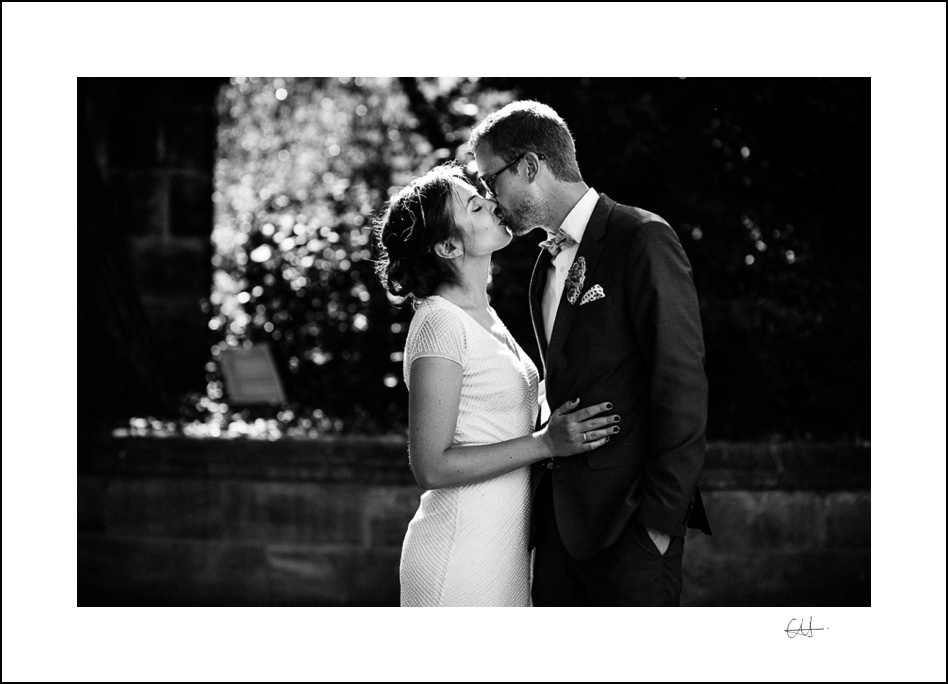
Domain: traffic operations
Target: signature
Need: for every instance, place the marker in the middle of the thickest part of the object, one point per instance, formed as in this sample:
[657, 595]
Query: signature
[805, 630]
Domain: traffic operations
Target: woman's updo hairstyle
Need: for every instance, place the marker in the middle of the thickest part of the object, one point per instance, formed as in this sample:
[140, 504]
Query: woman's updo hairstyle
[414, 220]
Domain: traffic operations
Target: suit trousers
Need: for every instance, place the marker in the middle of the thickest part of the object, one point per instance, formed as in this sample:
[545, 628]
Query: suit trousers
[630, 572]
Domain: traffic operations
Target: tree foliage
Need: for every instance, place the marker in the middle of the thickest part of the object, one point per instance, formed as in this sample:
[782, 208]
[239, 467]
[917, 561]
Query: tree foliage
[303, 167]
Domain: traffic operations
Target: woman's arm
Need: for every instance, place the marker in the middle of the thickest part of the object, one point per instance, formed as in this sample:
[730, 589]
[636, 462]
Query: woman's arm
[432, 417]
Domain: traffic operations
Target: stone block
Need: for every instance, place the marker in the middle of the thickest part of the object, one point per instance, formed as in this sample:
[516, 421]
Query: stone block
[713, 578]
[730, 514]
[295, 513]
[775, 578]
[824, 466]
[91, 504]
[167, 572]
[748, 520]
[727, 463]
[192, 208]
[219, 574]
[785, 466]
[848, 519]
[172, 509]
[180, 332]
[135, 135]
[190, 135]
[193, 93]
[840, 577]
[123, 571]
[388, 512]
[142, 200]
[308, 576]
[327, 576]
[701, 567]
[787, 520]
[375, 578]
[172, 268]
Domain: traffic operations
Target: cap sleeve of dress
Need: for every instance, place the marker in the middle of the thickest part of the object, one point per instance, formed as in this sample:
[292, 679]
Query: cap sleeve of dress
[435, 331]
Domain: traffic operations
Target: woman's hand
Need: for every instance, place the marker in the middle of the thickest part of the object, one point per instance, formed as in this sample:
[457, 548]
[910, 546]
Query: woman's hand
[572, 430]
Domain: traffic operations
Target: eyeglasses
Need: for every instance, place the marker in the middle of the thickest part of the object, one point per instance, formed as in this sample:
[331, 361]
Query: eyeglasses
[488, 181]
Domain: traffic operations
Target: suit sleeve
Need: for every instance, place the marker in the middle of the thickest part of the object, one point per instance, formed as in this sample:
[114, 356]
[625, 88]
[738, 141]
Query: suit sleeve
[663, 305]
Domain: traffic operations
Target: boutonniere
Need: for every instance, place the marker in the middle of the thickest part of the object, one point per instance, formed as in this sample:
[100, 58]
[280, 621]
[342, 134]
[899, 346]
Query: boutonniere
[575, 279]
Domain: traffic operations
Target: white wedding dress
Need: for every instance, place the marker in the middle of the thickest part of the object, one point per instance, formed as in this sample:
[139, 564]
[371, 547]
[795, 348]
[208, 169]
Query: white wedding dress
[467, 546]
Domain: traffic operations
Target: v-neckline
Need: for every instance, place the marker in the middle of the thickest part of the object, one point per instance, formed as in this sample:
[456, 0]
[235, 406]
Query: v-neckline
[494, 337]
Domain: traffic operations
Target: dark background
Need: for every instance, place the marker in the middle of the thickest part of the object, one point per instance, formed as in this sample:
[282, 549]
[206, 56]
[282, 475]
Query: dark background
[766, 182]
[787, 343]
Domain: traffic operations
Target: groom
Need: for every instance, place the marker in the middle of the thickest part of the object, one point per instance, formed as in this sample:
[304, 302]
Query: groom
[616, 318]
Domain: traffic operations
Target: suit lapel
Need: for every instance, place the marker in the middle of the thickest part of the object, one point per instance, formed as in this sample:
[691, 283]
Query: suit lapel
[537, 282]
[590, 249]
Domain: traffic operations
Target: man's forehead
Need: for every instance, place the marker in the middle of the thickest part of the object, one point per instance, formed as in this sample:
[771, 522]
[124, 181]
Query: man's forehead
[484, 157]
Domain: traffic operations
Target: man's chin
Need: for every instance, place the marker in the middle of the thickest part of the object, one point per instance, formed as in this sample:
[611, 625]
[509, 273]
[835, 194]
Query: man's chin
[520, 231]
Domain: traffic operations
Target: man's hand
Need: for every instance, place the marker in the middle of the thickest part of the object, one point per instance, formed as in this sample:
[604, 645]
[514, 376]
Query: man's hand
[660, 539]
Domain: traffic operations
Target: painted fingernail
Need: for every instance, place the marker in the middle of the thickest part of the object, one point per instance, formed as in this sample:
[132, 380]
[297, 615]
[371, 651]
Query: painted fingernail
[617, 419]
[608, 406]
[615, 430]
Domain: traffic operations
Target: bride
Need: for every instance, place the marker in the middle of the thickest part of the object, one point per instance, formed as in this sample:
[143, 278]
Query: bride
[473, 401]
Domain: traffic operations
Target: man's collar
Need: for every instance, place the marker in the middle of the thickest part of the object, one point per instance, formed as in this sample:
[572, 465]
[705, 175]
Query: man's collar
[575, 222]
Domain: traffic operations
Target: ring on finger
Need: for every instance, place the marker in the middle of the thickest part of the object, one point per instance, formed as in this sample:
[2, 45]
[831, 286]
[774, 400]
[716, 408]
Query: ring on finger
[584, 438]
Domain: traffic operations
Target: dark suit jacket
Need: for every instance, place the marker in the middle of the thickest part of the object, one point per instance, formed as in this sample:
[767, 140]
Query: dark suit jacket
[641, 348]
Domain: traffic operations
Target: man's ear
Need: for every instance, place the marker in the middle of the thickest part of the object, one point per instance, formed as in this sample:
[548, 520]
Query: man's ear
[533, 165]
[448, 249]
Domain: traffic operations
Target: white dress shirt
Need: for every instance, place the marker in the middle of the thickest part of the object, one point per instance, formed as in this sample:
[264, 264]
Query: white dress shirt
[573, 225]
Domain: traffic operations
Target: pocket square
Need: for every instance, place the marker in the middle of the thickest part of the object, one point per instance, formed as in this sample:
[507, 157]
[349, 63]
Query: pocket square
[592, 294]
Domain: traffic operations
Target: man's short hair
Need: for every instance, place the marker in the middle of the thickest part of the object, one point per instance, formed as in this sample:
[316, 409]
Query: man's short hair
[528, 126]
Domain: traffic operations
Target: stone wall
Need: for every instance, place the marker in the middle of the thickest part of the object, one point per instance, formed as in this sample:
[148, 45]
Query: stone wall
[297, 522]
[152, 143]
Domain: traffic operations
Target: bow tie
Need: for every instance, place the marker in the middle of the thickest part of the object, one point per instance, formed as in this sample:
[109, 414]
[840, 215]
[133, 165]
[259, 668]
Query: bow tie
[558, 243]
